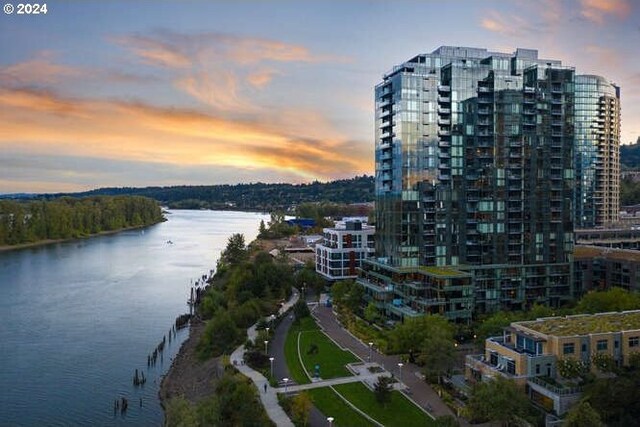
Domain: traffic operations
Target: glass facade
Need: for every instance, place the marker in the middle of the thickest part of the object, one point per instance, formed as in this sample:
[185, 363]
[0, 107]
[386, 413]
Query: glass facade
[474, 183]
[597, 152]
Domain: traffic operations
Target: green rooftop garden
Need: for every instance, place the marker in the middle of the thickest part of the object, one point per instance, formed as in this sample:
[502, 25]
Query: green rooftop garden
[443, 271]
[586, 324]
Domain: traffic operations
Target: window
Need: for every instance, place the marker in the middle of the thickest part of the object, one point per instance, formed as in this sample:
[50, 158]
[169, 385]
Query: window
[537, 369]
[602, 345]
[634, 341]
[584, 348]
[568, 348]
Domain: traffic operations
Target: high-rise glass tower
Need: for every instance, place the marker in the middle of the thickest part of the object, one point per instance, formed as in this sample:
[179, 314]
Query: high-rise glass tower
[597, 161]
[474, 184]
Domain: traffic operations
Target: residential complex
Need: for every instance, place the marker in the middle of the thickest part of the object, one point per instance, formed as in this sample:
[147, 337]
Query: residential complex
[343, 248]
[528, 352]
[597, 162]
[474, 173]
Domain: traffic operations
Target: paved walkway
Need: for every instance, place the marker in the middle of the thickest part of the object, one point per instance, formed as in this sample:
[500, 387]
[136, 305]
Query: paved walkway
[335, 381]
[269, 397]
[420, 392]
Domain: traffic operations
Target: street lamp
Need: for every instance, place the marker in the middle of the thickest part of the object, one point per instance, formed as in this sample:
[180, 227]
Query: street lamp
[330, 419]
[286, 380]
[400, 365]
[370, 350]
[267, 328]
[265, 346]
[271, 359]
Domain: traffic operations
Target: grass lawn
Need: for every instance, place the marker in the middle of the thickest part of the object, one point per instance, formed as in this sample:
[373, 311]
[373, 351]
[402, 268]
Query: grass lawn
[291, 349]
[330, 404]
[398, 412]
[329, 356]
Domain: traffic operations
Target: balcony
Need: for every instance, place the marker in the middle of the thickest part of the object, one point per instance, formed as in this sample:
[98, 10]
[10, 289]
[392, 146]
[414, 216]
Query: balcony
[442, 110]
[445, 122]
[483, 111]
[444, 99]
[444, 132]
[444, 88]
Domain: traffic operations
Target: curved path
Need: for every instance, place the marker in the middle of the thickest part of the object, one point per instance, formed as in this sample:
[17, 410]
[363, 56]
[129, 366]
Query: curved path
[421, 393]
[269, 397]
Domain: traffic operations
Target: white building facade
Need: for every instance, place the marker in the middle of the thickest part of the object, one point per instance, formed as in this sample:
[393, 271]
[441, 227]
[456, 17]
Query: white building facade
[343, 248]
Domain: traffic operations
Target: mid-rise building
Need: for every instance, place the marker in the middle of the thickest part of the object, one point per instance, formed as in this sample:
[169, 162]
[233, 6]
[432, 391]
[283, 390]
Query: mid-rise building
[597, 151]
[343, 248]
[529, 352]
[599, 268]
[474, 184]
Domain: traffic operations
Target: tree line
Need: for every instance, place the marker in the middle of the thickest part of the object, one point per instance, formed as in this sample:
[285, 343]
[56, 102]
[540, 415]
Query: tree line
[68, 217]
[253, 196]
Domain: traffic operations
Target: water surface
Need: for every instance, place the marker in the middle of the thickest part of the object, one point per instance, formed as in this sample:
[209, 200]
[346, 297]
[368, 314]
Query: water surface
[77, 318]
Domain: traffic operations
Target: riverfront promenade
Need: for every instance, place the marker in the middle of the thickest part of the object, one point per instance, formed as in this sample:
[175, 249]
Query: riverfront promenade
[269, 397]
[412, 384]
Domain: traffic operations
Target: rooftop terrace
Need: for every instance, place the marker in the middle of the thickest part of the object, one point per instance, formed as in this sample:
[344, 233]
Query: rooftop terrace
[585, 324]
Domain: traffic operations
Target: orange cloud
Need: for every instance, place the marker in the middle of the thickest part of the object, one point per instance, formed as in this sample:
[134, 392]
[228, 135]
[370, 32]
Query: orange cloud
[506, 25]
[218, 70]
[261, 78]
[139, 132]
[597, 10]
[153, 51]
[39, 70]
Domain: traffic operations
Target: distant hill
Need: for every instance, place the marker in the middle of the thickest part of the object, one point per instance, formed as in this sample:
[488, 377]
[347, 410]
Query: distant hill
[258, 196]
[630, 156]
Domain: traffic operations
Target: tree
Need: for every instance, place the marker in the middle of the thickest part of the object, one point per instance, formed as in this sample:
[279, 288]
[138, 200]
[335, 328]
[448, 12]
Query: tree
[614, 299]
[300, 408]
[604, 362]
[437, 350]
[180, 413]
[382, 389]
[570, 367]
[497, 400]
[220, 336]
[371, 312]
[301, 310]
[236, 250]
[347, 294]
[582, 415]
[262, 230]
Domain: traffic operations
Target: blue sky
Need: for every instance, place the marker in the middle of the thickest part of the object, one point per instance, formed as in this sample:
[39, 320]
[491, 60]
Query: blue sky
[191, 92]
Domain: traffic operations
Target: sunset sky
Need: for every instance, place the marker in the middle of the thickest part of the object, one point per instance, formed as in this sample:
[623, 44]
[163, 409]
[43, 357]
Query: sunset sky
[138, 93]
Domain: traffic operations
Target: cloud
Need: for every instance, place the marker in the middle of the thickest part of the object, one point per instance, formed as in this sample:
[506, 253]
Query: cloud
[261, 78]
[43, 123]
[154, 51]
[219, 70]
[597, 10]
[506, 25]
[22, 172]
[39, 70]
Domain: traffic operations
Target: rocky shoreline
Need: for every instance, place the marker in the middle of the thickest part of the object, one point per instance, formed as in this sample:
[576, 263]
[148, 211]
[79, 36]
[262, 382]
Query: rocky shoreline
[188, 376]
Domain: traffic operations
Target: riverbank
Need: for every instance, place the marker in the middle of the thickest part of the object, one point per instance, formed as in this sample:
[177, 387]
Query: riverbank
[4, 248]
[188, 376]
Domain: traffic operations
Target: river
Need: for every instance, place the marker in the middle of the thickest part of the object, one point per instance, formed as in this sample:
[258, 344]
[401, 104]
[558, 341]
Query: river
[79, 317]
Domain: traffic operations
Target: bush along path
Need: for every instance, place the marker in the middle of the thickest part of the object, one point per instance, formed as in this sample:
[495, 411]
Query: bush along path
[268, 394]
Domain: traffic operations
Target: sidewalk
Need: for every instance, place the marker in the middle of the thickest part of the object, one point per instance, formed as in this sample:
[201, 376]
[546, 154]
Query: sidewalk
[421, 393]
[270, 397]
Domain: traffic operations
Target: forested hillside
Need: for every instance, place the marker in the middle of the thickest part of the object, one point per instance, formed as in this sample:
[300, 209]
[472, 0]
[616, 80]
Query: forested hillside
[35, 220]
[630, 156]
[258, 196]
